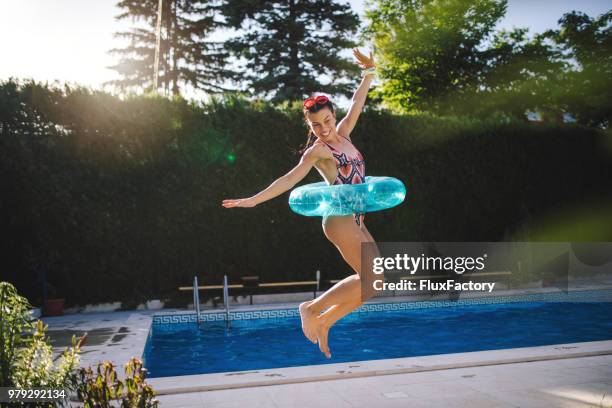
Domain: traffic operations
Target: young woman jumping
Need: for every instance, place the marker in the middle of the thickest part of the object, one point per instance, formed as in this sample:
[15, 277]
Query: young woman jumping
[332, 153]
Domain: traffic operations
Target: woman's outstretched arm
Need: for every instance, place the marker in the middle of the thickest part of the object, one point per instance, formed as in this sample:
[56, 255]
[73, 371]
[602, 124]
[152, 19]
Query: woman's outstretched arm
[346, 125]
[282, 184]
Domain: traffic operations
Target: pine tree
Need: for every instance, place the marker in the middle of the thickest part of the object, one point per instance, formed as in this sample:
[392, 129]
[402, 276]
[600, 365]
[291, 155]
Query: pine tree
[185, 58]
[288, 44]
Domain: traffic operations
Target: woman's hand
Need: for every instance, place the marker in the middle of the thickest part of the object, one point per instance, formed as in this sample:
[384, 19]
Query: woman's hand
[239, 202]
[363, 61]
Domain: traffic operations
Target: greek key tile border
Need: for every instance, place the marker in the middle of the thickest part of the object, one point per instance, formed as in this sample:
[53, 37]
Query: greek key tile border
[388, 306]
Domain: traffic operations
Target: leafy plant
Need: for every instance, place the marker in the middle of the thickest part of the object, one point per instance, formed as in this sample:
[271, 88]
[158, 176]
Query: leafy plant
[26, 361]
[14, 321]
[98, 391]
[26, 356]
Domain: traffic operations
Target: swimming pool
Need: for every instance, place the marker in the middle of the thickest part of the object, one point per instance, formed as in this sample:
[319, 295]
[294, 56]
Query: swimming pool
[273, 338]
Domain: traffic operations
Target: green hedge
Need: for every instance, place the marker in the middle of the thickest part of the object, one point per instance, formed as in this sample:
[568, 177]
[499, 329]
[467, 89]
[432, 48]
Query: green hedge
[121, 199]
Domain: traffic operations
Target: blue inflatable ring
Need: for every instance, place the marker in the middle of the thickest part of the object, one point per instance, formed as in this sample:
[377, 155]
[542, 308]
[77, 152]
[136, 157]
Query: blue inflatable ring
[322, 199]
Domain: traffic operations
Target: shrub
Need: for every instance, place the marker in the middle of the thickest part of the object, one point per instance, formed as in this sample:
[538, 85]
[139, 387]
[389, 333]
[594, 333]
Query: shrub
[26, 356]
[124, 194]
[99, 390]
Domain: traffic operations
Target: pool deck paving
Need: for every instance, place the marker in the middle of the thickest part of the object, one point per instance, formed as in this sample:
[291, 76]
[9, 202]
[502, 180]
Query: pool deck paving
[576, 382]
[572, 375]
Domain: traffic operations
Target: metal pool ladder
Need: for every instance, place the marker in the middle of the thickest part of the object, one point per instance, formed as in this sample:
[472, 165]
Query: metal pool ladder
[196, 298]
[226, 300]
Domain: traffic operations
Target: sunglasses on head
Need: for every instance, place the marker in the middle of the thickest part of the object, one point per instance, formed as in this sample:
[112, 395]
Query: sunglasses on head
[319, 100]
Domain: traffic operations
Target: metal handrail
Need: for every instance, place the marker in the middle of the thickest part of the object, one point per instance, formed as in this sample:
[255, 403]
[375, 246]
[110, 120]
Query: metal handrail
[226, 299]
[196, 298]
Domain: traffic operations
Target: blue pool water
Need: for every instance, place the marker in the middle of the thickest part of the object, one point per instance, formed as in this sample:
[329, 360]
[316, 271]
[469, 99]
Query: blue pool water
[181, 349]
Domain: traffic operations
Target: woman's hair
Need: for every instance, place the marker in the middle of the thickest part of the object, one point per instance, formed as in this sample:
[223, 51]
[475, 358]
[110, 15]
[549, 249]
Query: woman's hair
[314, 108]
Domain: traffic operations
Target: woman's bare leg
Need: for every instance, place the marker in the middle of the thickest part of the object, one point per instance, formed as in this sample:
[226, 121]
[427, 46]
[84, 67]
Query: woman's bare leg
[347, 288]
[336, 312]
[342, 232]
[344, 296]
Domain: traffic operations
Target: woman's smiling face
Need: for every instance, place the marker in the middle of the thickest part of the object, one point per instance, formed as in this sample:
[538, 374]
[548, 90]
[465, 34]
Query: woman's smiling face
[323, 123]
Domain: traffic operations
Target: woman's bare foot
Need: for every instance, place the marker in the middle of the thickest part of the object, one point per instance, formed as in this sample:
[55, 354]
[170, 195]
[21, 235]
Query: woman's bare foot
[322, 332]
[309, 321]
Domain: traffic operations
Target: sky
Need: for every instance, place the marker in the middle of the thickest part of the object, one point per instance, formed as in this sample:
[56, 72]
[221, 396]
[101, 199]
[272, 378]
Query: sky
[68, 40]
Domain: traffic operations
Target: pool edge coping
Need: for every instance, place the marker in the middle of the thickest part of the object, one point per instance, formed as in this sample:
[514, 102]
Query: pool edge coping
[370, 368]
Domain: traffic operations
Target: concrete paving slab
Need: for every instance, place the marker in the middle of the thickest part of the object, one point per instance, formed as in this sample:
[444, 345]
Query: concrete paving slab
[400, 391]
[190, 400]
[534, 398]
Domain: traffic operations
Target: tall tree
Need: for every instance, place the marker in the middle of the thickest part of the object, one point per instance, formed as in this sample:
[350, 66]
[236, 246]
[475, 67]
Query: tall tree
[288, 44]
[185, 57]
[587, 42]
[428, 50]
[519, 74]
